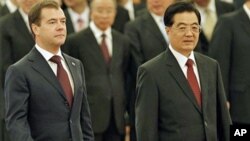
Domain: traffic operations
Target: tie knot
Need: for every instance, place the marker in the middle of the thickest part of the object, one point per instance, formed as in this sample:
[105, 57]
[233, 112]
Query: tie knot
[79, 20]
[56, 59]
[189, 63]
[103, 35]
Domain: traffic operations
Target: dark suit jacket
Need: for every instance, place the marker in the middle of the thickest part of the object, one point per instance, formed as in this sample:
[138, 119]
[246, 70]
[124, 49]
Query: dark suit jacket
[230, 46]
[166, 109]
[121, 19]
[4, 10]
[15, 39]
[221, 8]
[105, 84]
[36, 107]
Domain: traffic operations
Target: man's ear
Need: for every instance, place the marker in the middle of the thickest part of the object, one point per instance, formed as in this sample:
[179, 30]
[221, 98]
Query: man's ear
[35, 28]
[167, 29]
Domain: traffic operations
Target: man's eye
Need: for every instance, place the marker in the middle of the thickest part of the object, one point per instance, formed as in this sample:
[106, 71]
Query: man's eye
[182, 28]
[52, 22]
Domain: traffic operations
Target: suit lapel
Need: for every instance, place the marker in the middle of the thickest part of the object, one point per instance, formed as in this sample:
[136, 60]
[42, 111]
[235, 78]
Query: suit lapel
[180, 78]
[73, 71]
[23, 27]
[41, 66]
[115, 50]
[202, 70]
[153, 27]
[245, 22]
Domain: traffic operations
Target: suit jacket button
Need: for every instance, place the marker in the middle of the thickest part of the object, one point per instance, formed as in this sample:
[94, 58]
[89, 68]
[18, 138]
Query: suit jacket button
[66, 103]
[205, 123]
[70, 121]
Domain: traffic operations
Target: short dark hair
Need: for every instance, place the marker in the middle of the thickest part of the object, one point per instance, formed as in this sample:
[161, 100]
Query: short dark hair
[35, 12]
[179, 7]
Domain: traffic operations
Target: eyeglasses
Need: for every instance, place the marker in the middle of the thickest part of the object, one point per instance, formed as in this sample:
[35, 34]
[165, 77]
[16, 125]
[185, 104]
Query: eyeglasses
[185, 28]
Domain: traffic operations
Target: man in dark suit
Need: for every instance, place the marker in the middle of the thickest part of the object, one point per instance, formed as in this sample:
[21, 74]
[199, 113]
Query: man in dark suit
[180, 94]
[47, 101]
[230, 47]
[105, 70]
[15, 36]
[216, 9]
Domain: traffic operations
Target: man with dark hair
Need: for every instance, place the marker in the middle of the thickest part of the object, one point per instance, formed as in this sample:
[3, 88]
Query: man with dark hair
[45, 91]
[180, 93]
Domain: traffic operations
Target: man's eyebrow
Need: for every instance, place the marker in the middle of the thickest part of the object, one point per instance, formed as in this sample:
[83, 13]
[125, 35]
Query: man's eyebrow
[182, 23]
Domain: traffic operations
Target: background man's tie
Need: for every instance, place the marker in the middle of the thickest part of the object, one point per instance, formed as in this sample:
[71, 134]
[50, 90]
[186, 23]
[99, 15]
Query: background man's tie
[63, 79]
[104, 49]
[80, 24]
[192, 80]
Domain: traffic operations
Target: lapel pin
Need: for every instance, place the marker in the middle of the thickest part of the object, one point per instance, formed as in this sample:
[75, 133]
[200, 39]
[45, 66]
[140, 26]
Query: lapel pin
[73, 64]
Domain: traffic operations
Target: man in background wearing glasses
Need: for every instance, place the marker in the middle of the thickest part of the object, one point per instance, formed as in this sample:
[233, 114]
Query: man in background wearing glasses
[180, 95]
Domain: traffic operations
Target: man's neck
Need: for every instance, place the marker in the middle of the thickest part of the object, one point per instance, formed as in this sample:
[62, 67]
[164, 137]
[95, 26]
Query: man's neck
[79, 8]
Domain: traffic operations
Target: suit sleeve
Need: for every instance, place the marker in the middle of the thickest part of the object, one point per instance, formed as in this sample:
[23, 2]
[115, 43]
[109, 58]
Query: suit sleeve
[16, 98]
[220, 48]
[223, 117]
[135, 47]
[146, 107]
[86, 124]
[6, 56]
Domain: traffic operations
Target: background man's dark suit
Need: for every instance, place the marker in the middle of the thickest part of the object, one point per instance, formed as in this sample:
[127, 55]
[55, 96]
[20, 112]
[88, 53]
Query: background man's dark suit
[230, 46]
[105, 85]
[16, 40]
[37, 104]
[166, 108]
[221, 8]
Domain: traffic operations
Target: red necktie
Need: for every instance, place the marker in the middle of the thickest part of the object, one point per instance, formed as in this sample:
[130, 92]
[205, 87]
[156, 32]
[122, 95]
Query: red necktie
[104, 50]
[63, 79]
[80, 23]
[192, 80]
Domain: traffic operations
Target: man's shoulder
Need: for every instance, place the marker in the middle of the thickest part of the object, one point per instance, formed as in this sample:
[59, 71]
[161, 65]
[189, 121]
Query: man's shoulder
[155, 62]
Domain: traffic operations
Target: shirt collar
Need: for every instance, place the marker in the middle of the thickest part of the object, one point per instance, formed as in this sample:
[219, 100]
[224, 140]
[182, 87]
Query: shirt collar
[46, 54]
[98, 33]
[12, 8]
[156, 17]
[247, 10]
[181, 59]
[75, 16]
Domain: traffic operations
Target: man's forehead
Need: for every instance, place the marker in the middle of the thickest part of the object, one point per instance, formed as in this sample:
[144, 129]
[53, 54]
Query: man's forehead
[185, 17]
[45, 11]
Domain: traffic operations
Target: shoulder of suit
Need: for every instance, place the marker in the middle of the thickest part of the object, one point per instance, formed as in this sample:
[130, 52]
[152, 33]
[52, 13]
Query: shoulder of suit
[66, 56]
[154, 62]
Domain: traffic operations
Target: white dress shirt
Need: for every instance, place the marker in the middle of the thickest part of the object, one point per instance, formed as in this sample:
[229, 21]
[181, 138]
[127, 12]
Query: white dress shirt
[182, 60]
[47, 56]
